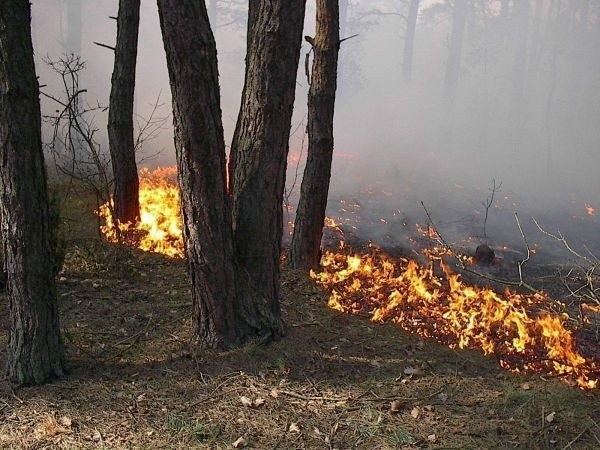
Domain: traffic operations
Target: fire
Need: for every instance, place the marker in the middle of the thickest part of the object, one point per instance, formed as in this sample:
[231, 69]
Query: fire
[443, 307]
[160, 227]
[590, 209]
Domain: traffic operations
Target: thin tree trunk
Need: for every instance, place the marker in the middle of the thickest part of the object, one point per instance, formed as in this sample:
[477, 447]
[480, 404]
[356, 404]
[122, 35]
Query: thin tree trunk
[310, 216]
[35, 352]
[259, 149]
[409, 40]
[459, 19]
[120, 116]
[72, 33]
[521, 40]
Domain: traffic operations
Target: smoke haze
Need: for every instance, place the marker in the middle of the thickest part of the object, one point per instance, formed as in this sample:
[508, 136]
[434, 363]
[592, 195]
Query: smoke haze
[524, 109]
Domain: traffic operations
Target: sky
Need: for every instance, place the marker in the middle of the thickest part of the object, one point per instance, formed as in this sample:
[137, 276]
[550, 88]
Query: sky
[398, 144]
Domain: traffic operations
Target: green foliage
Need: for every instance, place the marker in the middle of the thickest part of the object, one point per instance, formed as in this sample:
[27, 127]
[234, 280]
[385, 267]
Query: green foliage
[177, 424]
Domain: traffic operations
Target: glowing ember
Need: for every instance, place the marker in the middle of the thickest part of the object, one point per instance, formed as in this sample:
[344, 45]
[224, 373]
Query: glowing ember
[445, 308]
[590, 209]
[160, 227]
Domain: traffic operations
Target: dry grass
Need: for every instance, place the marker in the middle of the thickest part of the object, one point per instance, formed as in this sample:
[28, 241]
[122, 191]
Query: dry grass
[335, 381]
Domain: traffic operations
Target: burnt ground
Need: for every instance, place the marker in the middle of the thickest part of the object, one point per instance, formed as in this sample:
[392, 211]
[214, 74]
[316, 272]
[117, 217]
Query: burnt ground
[335, 381]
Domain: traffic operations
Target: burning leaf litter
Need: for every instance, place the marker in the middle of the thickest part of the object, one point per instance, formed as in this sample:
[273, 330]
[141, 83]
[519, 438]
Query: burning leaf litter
[160, 228]
[514, 327]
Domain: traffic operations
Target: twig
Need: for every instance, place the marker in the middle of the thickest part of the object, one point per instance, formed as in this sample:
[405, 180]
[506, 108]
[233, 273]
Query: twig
[463, 267]
[105, 46]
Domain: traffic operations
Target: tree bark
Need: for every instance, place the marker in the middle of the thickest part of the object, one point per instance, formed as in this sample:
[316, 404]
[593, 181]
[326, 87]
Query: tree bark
[260, 144]
[310, 216]
[409, 40]
[35, 352]
[459, 19]
[120, 115]
[229, 309]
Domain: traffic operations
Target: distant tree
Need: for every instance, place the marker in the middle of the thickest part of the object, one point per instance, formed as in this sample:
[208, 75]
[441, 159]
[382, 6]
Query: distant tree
[310, 216]
[409, 39]
[35, 352]
[71, 26]
[233, 236]
[459, 20]
[120, 115]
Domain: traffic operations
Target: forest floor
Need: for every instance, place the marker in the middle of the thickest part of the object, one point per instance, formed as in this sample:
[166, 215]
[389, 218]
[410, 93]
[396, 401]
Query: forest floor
[334, 382]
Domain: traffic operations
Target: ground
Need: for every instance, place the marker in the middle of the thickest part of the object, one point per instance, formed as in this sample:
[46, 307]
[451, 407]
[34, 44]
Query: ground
[335, 381]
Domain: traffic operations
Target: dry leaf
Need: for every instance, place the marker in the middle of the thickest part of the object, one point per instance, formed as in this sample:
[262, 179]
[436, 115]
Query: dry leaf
[525, 386]
[274, 393]
[413, 371]
[96, 437]
[415, 413]
[396, 406]
[245, 401]
[65, 421]
[259, 401]
[550, 417]
[294, 428]
[432, 438]
[240, 442]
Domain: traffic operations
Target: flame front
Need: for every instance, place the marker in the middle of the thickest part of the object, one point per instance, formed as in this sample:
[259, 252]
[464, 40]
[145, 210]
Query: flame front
[445, 308]
[159, 228]
[591, 211]
[512, 326]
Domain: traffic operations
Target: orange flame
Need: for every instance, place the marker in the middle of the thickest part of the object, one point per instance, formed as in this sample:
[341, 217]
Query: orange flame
[590, 209]
[160, 228]
[445, 308]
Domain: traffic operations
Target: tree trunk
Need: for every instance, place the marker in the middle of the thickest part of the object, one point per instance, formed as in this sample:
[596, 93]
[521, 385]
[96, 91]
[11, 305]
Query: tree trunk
[260, 144]
[521, 41]
[72, 23]
[120, 115]
[35, 352]
[459, 19]
[229, 309]
[409, 40]
[308, 228]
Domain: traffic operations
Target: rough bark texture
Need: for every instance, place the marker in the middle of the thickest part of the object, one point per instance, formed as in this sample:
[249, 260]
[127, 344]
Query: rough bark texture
[310, 216]
[409, 39]
[120, 116]
[259, 150]
[35, 352]
[459, 20]
[192, 65]
[228, 310]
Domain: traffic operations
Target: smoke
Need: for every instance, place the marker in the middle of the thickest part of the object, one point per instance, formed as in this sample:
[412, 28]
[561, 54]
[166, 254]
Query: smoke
[524, 111]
